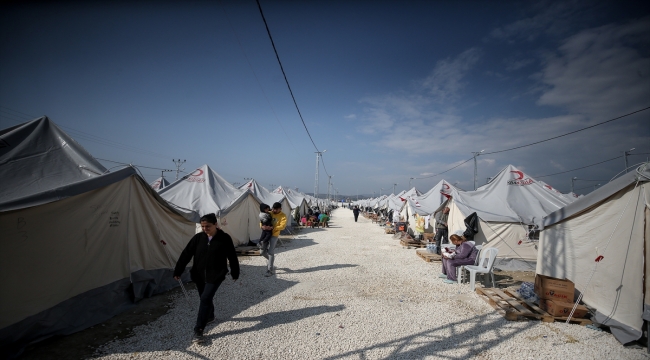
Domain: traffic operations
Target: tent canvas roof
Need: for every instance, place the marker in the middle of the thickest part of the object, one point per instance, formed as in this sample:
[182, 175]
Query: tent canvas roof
[159, 183]
[261, 192]
[204, 191]
[37, 156]
[512, 196]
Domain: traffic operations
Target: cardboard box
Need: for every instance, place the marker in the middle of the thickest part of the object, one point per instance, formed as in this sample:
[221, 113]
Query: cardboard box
[563, 309]
[550, 288]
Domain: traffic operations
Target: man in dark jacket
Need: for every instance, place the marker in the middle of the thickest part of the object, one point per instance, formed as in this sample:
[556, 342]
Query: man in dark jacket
[211, 249]
[355, 212]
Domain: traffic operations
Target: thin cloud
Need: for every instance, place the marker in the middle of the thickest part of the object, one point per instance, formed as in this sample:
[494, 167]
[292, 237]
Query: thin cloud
[600, 72]
[554, 18]
[446, 81]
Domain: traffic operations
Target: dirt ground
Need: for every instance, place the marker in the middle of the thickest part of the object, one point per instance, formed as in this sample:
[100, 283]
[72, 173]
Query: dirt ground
[82, 344]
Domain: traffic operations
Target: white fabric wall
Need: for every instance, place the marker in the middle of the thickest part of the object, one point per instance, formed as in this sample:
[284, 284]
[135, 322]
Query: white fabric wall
[58, 250]
[501, 235]
[568, 250]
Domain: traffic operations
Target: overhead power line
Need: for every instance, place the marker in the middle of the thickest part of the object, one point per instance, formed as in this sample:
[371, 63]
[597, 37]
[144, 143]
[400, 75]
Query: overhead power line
[569, 133]
[285, 75]
[144, 167]
[580, 168]
[241, 47]
[440, 173]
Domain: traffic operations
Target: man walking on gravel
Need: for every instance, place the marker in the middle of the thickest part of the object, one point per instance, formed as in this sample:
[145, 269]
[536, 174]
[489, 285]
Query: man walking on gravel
[268, 248]
[212, 250]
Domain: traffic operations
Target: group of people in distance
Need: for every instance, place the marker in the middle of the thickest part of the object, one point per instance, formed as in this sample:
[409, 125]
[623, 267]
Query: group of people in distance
[213, 250]
[315, 218]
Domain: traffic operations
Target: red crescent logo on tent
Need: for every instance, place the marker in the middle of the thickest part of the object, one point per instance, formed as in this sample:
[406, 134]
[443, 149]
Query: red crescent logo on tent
[521, 174]
[250, 184]
[401, 198]
[548, 187]
[200, 172]
[445, 186]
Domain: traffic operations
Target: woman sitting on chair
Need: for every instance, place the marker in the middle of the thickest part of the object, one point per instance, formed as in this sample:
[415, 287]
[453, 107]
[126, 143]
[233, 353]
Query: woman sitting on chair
[465, 254]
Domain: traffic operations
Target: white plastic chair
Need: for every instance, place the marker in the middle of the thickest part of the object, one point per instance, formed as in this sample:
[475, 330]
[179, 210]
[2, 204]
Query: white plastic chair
[460, 271]
[484, 266]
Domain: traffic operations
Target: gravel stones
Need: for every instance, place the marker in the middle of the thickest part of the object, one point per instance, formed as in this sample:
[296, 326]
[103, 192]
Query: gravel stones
[352, 292]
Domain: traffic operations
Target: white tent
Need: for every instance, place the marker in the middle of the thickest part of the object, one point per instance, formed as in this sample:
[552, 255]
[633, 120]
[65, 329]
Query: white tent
[611, 225]
[297, 200]
[425, 204]
[268, 197]
[508, 208]
[37, 156]
[159, 183]
[78, 247]
[205, 192]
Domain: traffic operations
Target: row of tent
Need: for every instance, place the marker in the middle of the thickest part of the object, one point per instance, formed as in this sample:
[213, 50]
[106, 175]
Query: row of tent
[509, 209]
[81, 244]
[599, 241]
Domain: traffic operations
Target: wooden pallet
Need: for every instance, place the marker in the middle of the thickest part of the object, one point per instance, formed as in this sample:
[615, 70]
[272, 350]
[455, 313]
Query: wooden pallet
[389, 230]
[427, 256]
[248, 250]
[513, 307]
[409, 245]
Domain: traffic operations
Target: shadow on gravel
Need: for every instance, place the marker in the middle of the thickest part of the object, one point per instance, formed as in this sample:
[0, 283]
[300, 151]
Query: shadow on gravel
[251, 289]
[316, 268]
[275, 318]
[464, 342]
[288, 244]
[231, 299]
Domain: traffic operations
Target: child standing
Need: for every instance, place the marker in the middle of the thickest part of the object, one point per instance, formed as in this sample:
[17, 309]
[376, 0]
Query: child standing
[265, 220]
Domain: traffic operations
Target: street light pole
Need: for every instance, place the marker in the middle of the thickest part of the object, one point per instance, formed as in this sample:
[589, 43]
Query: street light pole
[573, 179]
[329, 182]
[394, 185]
[475, 166]
[625, 154]
[410, 182]
[318, 155]
[380, 190]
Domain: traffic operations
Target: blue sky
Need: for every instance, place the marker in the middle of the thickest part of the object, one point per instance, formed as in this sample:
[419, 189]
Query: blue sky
[392, 90]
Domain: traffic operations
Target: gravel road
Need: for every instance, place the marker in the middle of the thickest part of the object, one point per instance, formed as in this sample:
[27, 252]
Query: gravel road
[352, 292]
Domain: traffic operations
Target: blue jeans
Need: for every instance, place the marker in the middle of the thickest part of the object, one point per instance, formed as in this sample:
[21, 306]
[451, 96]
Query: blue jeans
[206, 307]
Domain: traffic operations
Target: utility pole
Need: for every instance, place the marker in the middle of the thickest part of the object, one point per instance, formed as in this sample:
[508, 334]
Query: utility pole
[178, 164]
[394, 185]
[625, 154]
[573, 180]
[318, 155]
[329, 182]
[475, 166]
[410, 182]
[162, 172]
